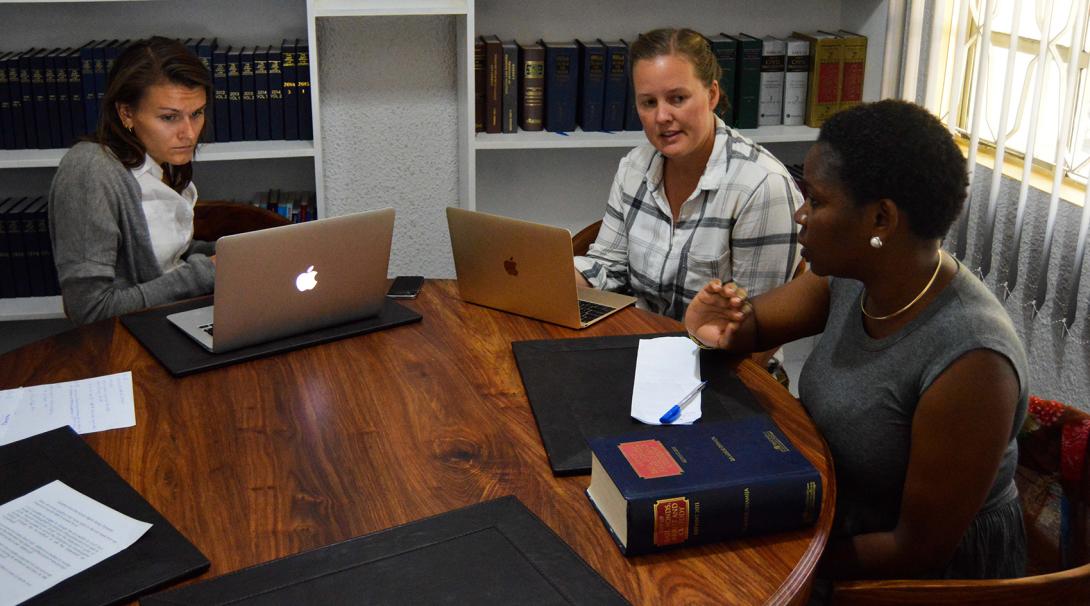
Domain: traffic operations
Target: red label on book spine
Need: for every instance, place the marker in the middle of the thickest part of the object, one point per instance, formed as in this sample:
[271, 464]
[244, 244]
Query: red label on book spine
[650, 459]
[671, 521]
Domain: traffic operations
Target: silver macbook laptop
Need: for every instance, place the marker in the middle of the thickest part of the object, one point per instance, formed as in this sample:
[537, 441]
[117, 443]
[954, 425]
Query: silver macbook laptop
[287, 280]
[524, 268]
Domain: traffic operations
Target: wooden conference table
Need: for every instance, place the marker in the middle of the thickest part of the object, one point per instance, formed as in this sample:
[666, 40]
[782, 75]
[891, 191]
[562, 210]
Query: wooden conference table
[289, 453]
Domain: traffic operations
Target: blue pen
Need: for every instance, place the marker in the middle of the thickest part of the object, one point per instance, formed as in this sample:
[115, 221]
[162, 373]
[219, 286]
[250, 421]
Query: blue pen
[675, 410]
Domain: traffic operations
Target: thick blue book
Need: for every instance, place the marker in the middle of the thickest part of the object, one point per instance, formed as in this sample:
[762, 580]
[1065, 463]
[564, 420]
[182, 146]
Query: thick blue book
[234, 94]
[15, 96]
[592, 85]
[291, 99]
[98, 54]
[276, 93]
[302, 89]
[56, 91]
[561, 85]
[7, 280]
[616, 87]
[249, 92]
[261, 92]
[75, 94]
[87, 81]
[13, 228]
[671, 486]
[205, 47]
[632, 115]
[221, 114]
[36, 64]
[30, 125]
[7, 130]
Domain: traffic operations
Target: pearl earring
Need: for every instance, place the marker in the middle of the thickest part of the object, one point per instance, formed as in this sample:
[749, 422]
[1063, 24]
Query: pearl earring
[876, 242]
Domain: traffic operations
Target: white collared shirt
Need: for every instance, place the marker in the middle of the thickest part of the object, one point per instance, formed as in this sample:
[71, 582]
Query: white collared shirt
[169, 214]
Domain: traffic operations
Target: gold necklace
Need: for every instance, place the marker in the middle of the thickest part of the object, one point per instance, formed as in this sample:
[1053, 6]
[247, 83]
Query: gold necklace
[863, 296]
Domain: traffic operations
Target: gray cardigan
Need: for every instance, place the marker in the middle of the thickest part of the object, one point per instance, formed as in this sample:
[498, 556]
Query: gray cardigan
[101, 244]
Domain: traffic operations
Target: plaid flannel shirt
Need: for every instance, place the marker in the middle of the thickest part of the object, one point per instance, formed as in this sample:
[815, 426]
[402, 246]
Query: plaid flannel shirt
[737, 225]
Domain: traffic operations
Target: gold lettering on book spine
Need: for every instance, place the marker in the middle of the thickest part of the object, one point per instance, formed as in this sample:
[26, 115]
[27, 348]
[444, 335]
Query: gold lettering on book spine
[775, 442]
[811, 501]
[671, 521]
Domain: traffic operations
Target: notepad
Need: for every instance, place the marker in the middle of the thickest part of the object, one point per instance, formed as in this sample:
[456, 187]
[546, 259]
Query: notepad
[667, 369]
[87, 405]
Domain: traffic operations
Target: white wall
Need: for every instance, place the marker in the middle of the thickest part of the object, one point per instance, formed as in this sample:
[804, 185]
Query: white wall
[389, 129]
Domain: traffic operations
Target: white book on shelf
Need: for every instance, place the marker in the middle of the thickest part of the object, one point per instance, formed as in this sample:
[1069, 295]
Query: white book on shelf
[796, 78]
[770, 105]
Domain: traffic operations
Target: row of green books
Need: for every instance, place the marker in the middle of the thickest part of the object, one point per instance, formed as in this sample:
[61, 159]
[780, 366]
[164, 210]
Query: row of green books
[558, 86]
[49, 98]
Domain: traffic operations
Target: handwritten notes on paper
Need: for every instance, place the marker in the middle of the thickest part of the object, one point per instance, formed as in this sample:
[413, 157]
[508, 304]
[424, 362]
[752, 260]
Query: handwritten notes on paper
[88, 405]
[667, 368]
[53, 533]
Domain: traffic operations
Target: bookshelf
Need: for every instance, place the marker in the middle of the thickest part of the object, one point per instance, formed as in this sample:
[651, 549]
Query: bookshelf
[564, 180]
[392, 94]
[223, 170]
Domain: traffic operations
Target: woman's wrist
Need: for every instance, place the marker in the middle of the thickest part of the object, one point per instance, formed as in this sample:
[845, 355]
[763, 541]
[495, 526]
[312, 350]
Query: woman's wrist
[698, 342]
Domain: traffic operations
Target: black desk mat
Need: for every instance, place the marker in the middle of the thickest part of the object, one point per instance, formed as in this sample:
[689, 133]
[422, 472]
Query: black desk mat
[582, 388]
[158, 558]
[181, 355]
[496, 552]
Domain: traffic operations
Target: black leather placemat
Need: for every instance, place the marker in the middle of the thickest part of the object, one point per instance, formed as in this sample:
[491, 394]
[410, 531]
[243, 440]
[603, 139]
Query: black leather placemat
[496, 552]
[582, 388]
[181, 355]
[161, 556]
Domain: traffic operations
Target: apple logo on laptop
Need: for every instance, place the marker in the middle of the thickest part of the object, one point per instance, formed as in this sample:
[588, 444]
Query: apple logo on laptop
[307, 280]
[511, 266]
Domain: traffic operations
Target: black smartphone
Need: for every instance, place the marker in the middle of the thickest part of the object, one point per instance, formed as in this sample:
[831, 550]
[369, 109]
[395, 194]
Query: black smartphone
[405, 287]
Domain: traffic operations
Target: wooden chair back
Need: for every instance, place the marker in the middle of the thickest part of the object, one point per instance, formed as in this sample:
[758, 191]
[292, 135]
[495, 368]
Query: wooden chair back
[580, 242]
[213, 219]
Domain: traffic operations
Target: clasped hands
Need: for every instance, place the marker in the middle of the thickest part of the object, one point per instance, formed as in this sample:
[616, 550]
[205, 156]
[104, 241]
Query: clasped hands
[716, 313]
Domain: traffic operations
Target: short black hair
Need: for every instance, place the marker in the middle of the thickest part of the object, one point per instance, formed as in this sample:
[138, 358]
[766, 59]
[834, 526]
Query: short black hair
[898, 150]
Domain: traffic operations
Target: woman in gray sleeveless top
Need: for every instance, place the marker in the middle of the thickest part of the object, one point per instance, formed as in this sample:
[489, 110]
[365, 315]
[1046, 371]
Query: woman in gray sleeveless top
[918, 382]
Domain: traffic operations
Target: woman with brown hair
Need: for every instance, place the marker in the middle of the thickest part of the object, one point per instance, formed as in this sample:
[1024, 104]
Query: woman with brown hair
[121, 203]
[699, 201]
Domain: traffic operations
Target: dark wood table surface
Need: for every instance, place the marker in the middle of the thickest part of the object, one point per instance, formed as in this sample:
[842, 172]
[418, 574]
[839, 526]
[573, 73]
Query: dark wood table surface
[292, 452]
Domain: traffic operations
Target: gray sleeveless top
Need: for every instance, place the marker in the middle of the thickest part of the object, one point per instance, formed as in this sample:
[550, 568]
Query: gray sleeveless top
[862, 394]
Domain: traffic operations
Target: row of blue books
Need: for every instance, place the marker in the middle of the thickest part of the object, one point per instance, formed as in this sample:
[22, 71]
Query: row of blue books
[49, 98]
[26, 250]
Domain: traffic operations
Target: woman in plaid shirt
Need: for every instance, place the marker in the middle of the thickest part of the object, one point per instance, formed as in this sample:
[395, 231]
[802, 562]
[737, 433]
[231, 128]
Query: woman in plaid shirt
[697, 202]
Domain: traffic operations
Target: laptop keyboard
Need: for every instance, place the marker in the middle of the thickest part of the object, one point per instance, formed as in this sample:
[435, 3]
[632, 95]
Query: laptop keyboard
[591, 311]
[207, 328]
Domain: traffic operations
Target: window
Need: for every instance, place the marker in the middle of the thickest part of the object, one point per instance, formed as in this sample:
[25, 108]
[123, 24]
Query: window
[1051, 23]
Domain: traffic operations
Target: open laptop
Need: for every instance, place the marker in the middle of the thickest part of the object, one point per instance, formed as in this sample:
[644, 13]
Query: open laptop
[524, 268]
[287, 280]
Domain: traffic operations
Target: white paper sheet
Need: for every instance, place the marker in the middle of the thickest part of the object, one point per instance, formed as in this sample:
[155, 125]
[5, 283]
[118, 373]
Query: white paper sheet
[88, 405]
[53, 533]
[667, 368]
